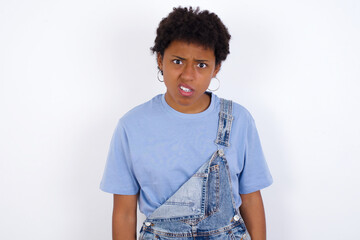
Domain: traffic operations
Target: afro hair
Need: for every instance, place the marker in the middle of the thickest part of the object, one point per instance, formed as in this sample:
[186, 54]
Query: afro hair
[193, 26]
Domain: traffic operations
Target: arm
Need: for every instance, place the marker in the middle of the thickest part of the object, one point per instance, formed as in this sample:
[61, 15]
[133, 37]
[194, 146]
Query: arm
[252, 211]
[124, 217]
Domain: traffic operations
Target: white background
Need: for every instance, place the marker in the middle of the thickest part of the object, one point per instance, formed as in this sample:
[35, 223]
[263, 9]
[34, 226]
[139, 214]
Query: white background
[70, 69]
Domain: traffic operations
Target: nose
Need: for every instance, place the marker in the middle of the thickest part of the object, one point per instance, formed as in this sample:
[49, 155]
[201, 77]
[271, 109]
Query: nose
[188, 72]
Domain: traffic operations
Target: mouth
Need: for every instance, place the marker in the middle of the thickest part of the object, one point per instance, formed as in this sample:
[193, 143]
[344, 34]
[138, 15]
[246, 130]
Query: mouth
[185, 90]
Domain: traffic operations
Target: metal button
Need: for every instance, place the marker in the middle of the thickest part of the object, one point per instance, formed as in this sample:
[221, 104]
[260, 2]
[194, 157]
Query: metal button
[236, 217]
[148, 224]
[221, 152]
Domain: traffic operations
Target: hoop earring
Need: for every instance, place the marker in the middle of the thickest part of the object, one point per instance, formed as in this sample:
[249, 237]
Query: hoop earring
[158, 77]
[217, 87]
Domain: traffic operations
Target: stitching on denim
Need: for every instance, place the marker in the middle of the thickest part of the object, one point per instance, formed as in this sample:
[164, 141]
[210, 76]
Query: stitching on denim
[220, 128]
[218, 190]
[199, 175]
[229, 177]
[173, 219]
[230, 125]
[203, 199]
[216, 169]
[204, 192]
[189, 234]
[190, 204]
[225, 117]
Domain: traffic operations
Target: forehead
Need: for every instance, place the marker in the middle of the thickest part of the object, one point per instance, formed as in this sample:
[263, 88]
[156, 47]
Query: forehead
[189, 50]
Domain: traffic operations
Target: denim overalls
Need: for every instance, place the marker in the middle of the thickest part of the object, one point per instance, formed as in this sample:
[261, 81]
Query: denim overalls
[203, 207]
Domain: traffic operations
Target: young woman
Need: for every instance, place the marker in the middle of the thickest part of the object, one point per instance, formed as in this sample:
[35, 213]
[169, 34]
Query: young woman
[193, 160]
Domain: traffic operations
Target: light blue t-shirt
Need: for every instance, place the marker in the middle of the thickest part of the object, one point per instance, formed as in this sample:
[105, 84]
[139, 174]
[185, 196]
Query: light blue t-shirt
[155, 149]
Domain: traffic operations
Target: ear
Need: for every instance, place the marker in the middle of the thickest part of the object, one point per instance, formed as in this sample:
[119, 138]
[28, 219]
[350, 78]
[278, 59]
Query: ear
[159, 59]
[217, 69]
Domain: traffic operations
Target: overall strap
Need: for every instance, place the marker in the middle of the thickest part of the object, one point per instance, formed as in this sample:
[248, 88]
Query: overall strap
[225, 122]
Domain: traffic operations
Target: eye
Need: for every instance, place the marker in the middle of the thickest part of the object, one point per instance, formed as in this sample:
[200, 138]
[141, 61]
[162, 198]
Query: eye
[177, 61]
[202, 65]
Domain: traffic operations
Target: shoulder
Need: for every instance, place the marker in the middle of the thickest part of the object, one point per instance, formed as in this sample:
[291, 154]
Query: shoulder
[141, 113]
[241, 113]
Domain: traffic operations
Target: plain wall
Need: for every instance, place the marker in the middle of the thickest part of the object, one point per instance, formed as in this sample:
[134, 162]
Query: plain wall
[70, 69]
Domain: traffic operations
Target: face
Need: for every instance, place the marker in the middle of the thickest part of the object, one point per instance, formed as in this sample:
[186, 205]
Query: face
[188, 69]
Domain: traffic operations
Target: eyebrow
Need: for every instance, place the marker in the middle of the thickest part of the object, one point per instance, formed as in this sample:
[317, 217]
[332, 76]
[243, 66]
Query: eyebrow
[197, 60]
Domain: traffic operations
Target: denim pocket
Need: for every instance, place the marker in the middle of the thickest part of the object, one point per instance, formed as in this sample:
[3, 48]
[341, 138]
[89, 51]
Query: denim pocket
[213, 200]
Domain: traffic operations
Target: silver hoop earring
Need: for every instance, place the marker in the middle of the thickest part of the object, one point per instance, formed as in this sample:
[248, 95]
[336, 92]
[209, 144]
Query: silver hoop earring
[217, 87]
[158, 77]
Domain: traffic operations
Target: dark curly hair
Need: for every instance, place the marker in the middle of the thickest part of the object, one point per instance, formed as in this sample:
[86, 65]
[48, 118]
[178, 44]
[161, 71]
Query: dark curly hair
[193, 26]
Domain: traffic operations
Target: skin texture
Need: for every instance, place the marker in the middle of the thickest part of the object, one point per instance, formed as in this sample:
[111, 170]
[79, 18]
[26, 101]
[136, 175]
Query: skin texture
[252, 211]
[124, 217]
[191, 64]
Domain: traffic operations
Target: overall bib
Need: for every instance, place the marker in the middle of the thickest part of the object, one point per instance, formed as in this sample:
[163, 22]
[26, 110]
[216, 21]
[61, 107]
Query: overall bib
[203, 207]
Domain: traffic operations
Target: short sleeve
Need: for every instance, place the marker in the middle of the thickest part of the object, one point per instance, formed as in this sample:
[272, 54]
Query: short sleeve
[118, 176]
[255, 174]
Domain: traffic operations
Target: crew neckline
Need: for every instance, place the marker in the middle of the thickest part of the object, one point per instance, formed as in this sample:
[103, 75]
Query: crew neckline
[202, 114]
